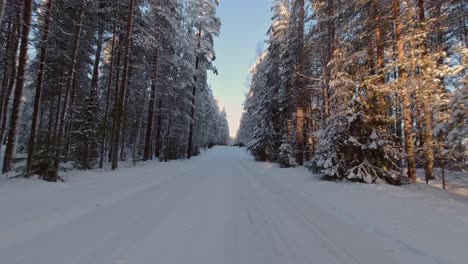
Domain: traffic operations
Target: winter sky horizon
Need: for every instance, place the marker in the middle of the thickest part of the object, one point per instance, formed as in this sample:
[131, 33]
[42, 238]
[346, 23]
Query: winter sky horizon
[244, 26]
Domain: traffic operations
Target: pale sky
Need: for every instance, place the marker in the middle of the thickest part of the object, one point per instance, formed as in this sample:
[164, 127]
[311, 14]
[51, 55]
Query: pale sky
[245, 24]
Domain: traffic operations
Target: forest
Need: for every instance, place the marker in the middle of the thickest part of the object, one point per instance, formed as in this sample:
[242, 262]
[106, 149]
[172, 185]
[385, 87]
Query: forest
[366, 91]
[90, 83]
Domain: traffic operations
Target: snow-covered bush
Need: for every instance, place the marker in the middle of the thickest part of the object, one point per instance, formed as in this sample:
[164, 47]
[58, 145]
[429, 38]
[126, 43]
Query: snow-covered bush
[261, 150]
[353, 147]
[285, 156]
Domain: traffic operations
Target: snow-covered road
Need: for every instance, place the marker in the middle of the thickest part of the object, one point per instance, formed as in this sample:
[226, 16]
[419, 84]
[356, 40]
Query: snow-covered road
[221, 208]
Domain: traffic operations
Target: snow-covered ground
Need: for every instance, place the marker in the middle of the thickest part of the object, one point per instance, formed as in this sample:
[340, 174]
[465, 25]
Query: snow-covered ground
[224, 208]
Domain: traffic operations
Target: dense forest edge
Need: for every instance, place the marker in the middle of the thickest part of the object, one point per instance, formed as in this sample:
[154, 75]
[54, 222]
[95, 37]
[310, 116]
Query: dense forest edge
[365, 91]
[95, 82]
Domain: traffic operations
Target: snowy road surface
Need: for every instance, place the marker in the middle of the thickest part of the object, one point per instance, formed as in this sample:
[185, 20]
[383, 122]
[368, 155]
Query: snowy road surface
[221, 208]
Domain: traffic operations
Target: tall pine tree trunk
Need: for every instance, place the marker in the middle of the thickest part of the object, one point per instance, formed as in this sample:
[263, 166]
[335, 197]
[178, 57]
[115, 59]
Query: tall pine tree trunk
[108, 96]
[10, 83]
[427, 119]
[39, 84]
[123, 88]
[136, 143]
[327, 56]
[22, 63]
[406, 105]
[379, 44]
[300, 118]
[150, 122]
[71, 84]
[116, 99]
[159, 129]
[8, 47]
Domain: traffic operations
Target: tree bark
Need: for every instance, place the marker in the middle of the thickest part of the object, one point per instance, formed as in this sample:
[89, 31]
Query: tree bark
[69, 90]
[427, 120]
[137, 141]
[149, 125]
[123, 89]
[23, 58]
[379, 44]
[327, 56]
[159, 129]
[8, 47]
[39, 84]
[408, 127]
[71, 82]
[116, 98]
[300, 118]
[108, 96]
[10, 84]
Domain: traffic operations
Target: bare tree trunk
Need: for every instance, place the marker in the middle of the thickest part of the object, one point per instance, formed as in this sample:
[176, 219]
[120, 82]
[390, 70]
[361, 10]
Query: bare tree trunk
[441, 160]
[123, 155]
[8, 47]
[108, 96]
[408, 127]
[51, 121]
[149, 125]
[71, 82]
[13, 74]
[379, 43]
[159, 129]
[169, 129]
[327, 56]
[39, 84]
[427, 120]
[192, 121]
[70, 88]
[137, 141]
[116, 99]
[300, 118]
[123, 89]
[370, 47]
[378, 37]
[23, 58]
[59, 104]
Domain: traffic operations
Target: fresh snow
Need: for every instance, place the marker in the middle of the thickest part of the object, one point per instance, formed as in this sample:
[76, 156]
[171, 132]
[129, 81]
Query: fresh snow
[455, 181]
[222, 208]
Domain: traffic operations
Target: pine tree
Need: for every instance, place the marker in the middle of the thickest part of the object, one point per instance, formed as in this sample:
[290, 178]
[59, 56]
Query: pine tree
[21, 76]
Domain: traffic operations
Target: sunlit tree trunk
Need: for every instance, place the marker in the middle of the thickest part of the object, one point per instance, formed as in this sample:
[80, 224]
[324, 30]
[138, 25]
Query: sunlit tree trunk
[379, 44]
[427, 119]
[403, 76]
